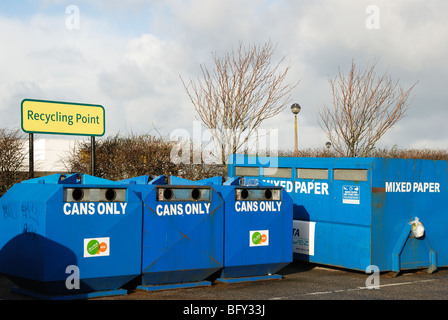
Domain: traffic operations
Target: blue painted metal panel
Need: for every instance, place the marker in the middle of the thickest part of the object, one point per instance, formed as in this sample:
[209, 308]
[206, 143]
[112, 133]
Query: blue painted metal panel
[354, 223]
[243, 220]
[176, 285]
[42, 233]
[182, 237]
[249, 279]
[403, 190]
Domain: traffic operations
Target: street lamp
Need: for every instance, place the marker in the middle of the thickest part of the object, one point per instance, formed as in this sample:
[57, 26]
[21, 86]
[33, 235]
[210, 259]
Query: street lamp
[295, 108]
[328, 145]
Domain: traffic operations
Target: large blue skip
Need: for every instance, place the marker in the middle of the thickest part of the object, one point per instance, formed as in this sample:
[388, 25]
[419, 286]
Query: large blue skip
[360, 212]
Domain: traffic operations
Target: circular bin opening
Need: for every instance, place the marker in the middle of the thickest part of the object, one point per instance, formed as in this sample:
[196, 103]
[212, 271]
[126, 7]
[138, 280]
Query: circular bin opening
[77, 194]
[268, 194]
[195, 194]
[167, 194]
[244, 194]
[110, 194]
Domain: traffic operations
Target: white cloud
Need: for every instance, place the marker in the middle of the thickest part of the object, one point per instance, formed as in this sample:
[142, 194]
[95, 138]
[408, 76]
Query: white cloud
[129, 57]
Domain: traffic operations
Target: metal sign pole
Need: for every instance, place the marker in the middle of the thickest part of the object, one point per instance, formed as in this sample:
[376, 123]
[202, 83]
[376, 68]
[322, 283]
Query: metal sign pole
[92, 152]
[31, 155]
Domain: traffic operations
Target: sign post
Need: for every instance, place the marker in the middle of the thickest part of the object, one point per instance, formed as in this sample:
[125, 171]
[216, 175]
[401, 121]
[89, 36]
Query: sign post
[31, 155]
[55, 117]
[92, 157]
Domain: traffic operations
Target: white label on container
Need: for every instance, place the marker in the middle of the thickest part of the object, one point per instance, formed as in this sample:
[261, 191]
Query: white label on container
[96, 247]
[351, 194]
[258, 238]
[303, 237]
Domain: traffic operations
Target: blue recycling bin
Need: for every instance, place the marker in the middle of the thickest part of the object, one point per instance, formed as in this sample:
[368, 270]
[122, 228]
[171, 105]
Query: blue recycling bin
[257, 229]
[182, 235]
[358, 212]
[70, 237]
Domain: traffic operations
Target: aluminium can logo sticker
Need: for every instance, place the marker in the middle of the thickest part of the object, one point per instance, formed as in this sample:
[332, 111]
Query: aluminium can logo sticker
[96, 247]
[258, 238]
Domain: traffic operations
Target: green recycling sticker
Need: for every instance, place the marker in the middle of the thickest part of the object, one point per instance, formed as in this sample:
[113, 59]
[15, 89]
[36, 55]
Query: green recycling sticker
[96, 247]
[259, 238]
[256, 237]
[93, 246]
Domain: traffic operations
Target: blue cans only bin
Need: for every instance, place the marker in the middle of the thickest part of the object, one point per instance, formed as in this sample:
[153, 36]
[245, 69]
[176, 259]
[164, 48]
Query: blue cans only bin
[257, 228]
[66, 236]
[359, 212]
[182, 235]
[257, 237]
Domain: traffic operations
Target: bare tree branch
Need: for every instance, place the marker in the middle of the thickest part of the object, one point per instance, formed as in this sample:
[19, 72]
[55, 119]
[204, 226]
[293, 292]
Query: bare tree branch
[364, 107]
[243, 89]
[12, 155]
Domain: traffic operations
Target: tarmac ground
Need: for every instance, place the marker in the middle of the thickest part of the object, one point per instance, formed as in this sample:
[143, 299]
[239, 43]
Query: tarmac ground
[300, 281]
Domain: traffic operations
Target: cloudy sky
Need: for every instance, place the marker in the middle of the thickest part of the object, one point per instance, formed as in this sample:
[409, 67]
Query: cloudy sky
[129, 55]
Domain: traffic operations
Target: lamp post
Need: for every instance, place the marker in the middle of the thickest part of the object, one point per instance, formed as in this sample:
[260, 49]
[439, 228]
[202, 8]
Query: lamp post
[295, 108]
[328, 145]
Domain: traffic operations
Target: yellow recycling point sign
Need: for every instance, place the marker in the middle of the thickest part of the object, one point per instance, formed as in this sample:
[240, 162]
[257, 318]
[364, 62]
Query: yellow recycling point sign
[54, 117]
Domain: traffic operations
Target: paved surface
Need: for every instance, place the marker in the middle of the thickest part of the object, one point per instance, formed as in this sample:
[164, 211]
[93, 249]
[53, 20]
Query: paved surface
[301, 281]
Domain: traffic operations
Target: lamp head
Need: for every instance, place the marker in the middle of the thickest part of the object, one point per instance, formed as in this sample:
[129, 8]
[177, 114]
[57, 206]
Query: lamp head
[295, 108]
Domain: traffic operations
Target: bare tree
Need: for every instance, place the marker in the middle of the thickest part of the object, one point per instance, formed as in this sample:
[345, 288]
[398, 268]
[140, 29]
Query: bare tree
[364, 107]
[242, 90]
[12, 155]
